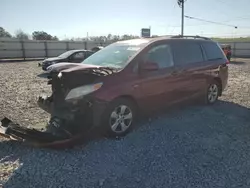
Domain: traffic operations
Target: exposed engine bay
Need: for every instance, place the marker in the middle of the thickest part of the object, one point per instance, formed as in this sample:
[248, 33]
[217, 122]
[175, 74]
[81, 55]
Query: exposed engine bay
[71, 119]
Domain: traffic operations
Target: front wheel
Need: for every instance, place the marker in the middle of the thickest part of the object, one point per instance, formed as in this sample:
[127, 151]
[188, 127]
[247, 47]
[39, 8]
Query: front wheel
[119, 117]
[212, 93]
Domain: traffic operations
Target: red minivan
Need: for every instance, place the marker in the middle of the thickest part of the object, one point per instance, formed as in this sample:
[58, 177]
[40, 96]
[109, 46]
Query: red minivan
[109, 89]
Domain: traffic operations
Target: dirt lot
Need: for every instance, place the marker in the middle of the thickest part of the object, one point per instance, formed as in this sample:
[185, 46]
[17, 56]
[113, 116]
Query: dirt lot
[199, 146]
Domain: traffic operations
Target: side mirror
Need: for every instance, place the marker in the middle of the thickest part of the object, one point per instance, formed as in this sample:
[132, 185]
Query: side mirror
[149, 66]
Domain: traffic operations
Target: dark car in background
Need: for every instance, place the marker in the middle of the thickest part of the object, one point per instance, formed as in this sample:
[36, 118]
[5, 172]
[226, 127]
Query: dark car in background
[97, 48]
[56, 68]
[73, 56]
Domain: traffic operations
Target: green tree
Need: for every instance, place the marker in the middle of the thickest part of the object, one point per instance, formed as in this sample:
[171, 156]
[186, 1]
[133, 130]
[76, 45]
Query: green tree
[4, 33]
[109, 37]
[42, 35]
[54, 38]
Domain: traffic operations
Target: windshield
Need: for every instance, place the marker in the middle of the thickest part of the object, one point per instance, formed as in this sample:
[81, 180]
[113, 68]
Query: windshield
[66, 54]
[115, 55]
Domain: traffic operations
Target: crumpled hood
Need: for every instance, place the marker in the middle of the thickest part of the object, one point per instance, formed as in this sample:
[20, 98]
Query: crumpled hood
[62, 66]
[79, 67]
[78, 75]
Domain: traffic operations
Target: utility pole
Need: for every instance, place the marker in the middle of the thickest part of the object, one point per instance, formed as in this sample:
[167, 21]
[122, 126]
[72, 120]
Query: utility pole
[181, 5]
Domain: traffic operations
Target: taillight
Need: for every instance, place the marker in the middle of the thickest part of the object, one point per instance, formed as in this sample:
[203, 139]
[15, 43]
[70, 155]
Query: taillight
[227, 62]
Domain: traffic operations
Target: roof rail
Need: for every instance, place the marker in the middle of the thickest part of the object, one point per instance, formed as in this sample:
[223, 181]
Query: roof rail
[190, 36]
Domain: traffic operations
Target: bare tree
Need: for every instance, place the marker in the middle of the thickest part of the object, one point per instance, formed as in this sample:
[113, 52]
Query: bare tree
[21, 35]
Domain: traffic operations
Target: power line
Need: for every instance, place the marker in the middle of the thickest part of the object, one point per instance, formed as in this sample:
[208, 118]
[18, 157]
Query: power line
[208, 21]
[218, 23]
[192, 25]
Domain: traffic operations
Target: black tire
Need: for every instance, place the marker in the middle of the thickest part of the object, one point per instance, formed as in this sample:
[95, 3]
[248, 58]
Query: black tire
[108, 120]
[212, 93]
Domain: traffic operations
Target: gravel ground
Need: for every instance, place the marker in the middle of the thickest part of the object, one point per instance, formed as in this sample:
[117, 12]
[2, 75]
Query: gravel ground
[198, 146]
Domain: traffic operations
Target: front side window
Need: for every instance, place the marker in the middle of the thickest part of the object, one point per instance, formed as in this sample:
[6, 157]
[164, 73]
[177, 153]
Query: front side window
[160, 54]
[186, 53]
[78, 55]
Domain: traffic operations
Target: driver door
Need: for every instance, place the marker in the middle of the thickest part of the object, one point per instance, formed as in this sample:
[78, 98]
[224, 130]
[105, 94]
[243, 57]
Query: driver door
[158, 85]
[77, 57]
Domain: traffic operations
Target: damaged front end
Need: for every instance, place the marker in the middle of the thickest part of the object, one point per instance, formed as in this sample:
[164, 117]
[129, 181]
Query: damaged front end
[73, 115]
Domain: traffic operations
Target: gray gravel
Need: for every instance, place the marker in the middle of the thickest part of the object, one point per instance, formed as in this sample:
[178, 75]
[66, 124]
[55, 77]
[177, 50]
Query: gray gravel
[199, 146]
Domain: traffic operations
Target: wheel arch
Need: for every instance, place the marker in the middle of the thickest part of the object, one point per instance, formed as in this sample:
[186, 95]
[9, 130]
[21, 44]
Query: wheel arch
[218, 80]
[128, 97]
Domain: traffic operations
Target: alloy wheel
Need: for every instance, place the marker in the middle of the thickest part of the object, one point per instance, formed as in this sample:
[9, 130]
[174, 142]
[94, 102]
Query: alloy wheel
[213, 92]
[121, 119]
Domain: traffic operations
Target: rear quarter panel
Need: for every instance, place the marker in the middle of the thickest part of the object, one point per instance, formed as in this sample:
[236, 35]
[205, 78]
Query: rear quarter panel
[216, 68]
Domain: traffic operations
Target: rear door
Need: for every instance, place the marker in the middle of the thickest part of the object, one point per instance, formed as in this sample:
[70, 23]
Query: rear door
[188, 69]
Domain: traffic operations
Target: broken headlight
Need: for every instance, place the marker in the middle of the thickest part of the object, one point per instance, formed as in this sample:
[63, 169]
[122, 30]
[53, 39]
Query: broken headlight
[82, 91]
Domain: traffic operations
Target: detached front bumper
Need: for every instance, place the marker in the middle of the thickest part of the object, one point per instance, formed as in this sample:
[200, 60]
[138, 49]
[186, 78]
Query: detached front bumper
[14, 131]
[33, 137]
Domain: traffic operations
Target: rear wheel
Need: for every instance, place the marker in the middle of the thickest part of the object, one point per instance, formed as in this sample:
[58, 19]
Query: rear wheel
[212, 93]
[119, 117]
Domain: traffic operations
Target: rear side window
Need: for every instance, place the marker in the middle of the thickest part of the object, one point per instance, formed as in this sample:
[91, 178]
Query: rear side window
[186, 53]
[212, 51]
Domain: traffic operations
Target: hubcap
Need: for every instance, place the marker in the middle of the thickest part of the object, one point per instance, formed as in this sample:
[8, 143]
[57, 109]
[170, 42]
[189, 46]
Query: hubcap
[121, 119]
[212, 93]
